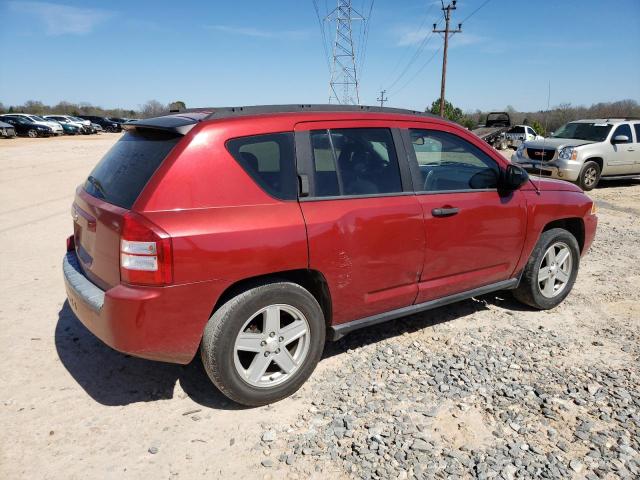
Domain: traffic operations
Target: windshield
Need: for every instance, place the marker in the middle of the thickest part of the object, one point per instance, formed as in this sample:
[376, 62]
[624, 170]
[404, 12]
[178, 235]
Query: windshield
[593, 132]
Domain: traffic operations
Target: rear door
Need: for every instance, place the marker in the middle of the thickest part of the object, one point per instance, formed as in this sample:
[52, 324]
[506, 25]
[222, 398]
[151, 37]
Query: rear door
[635, 148]
[474, 235]
[108, 194]
[364, 224]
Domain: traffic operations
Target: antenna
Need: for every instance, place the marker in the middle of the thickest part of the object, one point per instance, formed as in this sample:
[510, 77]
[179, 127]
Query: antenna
[344, 74]
[544, 141]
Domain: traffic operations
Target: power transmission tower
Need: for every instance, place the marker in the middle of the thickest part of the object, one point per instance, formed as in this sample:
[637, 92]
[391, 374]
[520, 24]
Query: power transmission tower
[447, 33]
[382, 98]
[344, 86]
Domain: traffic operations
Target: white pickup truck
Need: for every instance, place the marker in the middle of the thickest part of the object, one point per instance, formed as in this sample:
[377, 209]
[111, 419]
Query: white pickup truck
[520, 133]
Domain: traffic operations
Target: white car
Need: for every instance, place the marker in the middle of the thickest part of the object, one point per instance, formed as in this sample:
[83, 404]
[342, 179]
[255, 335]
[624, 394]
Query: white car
[64, 119]
[55, 126]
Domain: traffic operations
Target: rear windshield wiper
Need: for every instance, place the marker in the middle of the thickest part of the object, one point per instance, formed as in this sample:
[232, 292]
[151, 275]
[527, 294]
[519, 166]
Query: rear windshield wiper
[97, 185]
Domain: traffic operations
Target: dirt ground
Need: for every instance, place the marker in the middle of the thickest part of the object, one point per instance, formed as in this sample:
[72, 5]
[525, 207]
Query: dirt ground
[70, 407]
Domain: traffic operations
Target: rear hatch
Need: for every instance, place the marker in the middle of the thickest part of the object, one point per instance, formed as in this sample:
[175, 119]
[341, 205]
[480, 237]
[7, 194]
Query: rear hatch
[109, 194]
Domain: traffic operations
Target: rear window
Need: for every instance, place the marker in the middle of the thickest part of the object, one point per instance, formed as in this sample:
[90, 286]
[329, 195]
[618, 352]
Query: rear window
[270, 161]
[124, 171]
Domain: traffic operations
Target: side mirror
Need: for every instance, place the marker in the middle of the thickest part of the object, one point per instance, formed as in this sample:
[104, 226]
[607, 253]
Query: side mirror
[620, 139]
[513, 178]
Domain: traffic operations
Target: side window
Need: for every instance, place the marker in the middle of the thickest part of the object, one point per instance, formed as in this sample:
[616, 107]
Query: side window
[636, 127]
[354, 161]
[623, 129]
[448, 162]
[270, 161]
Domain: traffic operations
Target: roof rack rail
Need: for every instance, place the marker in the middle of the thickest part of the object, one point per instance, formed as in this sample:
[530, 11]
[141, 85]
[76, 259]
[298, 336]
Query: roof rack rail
[225, 112]
[624, 119]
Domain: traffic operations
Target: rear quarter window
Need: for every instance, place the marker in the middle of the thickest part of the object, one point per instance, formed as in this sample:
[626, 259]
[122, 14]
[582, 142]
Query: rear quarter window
[121, 175]
[270, 161]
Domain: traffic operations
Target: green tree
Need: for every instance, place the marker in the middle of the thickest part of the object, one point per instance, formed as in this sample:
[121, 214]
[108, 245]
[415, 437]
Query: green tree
[537, 126]
[450, 112]
[177, 105]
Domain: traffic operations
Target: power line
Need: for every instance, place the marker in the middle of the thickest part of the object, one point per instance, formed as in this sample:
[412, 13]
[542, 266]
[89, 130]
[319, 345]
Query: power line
[415, 57]
[404, 56]
[418, 72]
[324, 36]
[475, 11]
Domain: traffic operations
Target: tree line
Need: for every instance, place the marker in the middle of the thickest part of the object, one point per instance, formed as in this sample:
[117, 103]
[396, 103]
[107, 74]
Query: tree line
[543, 122]
[149, 109]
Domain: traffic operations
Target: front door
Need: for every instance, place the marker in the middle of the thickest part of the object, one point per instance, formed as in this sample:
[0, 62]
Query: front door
[474, 234]
[364, 224]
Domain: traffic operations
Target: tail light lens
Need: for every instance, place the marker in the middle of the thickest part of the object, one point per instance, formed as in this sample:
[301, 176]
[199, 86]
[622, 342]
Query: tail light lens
[145, 252]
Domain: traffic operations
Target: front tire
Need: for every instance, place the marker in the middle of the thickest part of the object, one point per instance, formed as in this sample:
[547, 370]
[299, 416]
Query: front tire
[32, 133]
[551, 270]
[264, 343]
[589, 176]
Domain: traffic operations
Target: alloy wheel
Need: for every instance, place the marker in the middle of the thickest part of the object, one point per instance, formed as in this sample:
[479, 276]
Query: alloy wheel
[590, 176]
[555, 270]
[271, 345]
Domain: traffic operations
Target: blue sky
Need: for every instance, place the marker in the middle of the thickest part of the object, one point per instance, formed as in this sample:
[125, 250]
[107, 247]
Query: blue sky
[123, 53]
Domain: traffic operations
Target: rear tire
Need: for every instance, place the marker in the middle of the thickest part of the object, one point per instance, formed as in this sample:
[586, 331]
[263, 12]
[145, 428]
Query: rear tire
[263, 344]
[551, 270]
[589, 176]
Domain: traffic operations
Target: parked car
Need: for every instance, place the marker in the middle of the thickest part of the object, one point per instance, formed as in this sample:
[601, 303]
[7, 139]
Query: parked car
[520, 133]
[254, 233]
[55, 127]
[69, 120]
[118, 120]
[585, 151]
[7, 130]
[27, 127]
[97, 128]
[70, 129]
[106, 124]
[87, 124]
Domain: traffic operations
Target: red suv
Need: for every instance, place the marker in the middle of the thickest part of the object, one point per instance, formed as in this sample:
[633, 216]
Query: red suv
[254, 233]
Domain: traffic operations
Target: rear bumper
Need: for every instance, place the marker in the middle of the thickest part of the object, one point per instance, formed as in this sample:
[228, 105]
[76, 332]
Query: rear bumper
[163, 323]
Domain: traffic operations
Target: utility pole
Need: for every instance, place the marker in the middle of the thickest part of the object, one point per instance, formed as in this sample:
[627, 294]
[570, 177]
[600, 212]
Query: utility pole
[382, 98]
[344, 73]
[447, 33]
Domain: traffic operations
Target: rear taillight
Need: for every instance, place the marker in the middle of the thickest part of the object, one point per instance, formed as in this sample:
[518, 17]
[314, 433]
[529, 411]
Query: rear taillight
[145, 252]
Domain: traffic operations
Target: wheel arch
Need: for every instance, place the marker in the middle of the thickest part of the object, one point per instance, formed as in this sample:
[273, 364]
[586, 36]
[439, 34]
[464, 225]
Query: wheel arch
[311, 280]
[573, 225]
[598, 160]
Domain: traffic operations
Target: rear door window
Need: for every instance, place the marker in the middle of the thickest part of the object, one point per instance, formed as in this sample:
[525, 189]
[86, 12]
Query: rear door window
[270, 161]
[121, 175]
[355, 161]
[636, 127]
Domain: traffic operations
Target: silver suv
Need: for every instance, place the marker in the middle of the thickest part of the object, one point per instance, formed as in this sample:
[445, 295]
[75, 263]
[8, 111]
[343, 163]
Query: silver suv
[585, 151]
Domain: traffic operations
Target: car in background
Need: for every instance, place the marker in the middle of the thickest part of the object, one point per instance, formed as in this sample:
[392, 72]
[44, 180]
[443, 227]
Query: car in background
[69, 120]
[7, 130]
[70, 129]
[97, 128]
[55, 127]
[585, 151]
[24, 126]
[120, 121]
[520, 133]
[106, 124]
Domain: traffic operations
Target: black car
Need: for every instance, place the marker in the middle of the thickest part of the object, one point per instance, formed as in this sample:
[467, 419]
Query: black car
[105, 123]
[7, 130]
[24, 126]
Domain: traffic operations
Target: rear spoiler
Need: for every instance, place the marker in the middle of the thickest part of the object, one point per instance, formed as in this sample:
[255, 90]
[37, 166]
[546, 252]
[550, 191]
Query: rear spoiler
[180, 124]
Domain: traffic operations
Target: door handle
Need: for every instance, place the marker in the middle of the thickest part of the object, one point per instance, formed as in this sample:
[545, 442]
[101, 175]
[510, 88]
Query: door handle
[444, 212]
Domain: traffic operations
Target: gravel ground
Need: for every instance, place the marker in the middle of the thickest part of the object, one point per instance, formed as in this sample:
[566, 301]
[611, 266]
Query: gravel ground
[482, 389]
